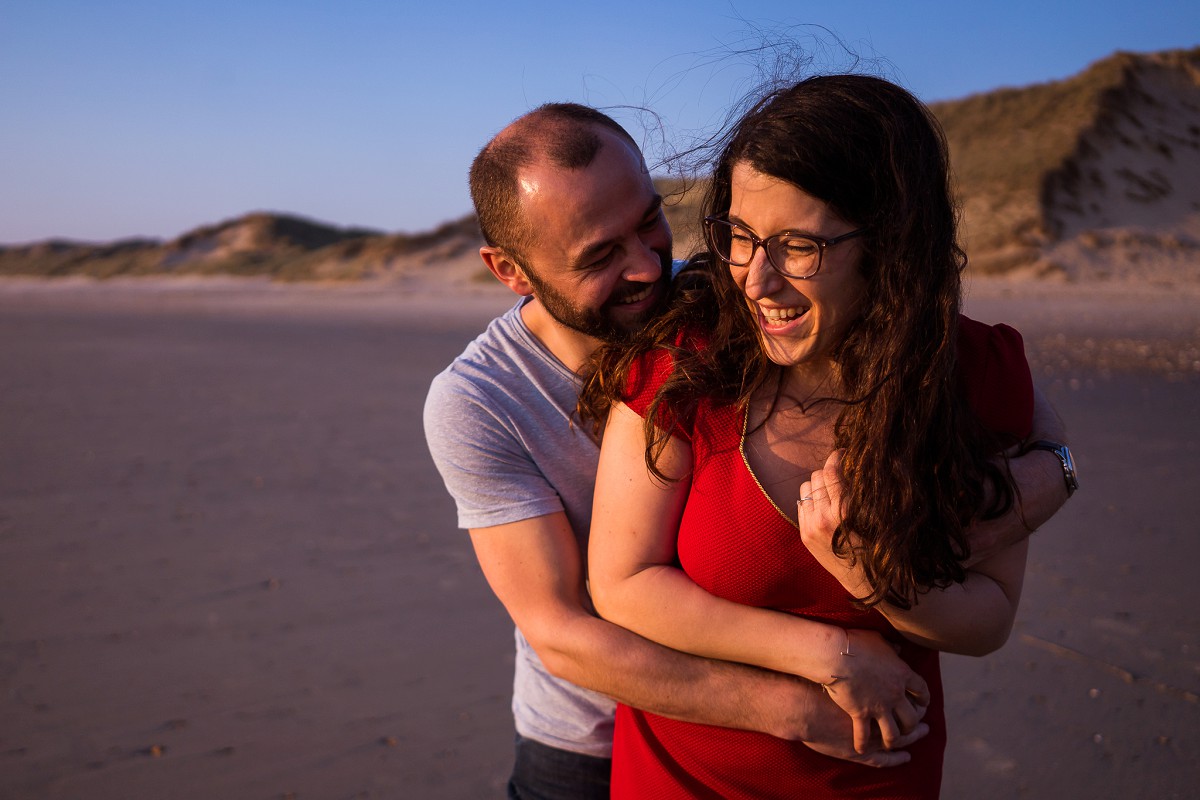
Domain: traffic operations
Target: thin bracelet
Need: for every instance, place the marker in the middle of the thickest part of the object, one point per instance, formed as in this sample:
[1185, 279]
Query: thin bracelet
[845, 652]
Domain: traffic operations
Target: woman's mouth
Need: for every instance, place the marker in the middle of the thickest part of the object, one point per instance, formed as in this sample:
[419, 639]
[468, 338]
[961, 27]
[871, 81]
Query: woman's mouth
[777, 318]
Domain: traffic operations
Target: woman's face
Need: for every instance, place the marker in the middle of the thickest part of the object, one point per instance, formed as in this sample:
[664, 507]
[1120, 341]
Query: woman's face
[799, 321]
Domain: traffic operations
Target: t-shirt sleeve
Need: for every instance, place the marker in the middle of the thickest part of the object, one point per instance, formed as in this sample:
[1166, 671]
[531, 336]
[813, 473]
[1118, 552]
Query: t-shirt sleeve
[491, 476]
[994, 374]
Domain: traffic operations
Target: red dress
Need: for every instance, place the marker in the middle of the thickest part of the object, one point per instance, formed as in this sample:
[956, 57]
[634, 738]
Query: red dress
[736, 544]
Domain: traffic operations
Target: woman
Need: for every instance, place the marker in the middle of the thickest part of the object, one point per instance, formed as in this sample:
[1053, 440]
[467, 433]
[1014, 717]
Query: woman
[818, 347]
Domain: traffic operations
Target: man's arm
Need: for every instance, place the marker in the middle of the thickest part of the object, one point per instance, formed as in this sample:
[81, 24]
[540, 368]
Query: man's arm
[535, 569]
[1038, 476]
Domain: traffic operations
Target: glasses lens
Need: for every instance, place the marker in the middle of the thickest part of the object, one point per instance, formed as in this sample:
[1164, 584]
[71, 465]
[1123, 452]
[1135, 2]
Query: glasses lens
[797, 256]
[741, 245]
[718, 237]
[731, 242]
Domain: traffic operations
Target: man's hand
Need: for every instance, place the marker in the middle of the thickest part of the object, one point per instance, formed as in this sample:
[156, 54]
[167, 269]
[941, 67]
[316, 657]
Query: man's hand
[829, 732]
[875, 756]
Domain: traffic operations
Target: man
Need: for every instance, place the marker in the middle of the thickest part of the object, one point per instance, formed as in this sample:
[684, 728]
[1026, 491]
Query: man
[574, 226]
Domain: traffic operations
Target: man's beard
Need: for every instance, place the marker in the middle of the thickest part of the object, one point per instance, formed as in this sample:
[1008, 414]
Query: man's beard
[597, 322]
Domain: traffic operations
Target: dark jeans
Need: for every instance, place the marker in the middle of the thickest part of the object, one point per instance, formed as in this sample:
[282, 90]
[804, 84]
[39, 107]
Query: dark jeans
[547, 773]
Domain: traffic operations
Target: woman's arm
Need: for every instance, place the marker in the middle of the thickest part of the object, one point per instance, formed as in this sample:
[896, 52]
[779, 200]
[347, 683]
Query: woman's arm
[634, 582]
[971, 618]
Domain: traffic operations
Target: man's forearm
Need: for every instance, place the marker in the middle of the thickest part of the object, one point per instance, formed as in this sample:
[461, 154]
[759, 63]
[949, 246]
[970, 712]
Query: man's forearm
[1039, 480]
[1041, 492]
[606, 658]
[613, 661]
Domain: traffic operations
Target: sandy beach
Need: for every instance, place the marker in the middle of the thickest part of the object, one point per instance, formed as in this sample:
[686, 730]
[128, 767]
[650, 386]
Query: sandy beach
[228, 568]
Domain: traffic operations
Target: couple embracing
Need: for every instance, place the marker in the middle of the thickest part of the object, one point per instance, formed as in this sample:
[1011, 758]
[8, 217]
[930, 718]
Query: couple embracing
[736, 512]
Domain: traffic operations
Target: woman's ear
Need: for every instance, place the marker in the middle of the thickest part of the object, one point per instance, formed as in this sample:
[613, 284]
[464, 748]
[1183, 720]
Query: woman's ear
[506, 270]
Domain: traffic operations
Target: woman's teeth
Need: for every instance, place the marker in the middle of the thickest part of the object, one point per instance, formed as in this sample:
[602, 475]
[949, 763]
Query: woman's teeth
[780, 316]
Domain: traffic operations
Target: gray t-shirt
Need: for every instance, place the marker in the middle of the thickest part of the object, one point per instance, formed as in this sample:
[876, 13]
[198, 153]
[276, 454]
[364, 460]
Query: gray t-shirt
[498, 422]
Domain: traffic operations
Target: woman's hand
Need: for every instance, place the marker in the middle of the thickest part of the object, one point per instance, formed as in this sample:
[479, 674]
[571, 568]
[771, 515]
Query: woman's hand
[872, 684]
[819, 512]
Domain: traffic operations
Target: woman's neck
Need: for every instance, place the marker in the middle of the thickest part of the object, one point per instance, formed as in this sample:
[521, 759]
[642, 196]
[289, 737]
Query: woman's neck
[789, 434]
[809, 381]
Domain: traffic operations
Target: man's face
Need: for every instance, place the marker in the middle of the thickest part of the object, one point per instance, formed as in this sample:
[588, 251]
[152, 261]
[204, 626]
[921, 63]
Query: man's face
[600, 262]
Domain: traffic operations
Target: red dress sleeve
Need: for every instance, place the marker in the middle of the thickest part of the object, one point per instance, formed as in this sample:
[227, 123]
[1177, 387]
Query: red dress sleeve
[994, 375]
[646, 377]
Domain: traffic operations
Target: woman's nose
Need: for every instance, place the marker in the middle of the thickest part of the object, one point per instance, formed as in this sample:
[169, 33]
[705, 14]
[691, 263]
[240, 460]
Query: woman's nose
[761, 278]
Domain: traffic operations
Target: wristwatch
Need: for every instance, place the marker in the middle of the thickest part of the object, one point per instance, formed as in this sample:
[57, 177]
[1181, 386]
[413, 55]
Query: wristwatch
[1064, 455]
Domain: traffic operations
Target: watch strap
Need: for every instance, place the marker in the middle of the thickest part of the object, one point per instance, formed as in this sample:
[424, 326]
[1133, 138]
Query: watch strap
[1064, 456]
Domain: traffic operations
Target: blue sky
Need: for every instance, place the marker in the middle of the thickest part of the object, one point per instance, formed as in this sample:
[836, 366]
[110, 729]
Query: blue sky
[142, 118]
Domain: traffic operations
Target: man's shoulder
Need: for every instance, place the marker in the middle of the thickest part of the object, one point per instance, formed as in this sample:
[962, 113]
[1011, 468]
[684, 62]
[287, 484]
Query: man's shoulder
[500, 378]
[481, 366]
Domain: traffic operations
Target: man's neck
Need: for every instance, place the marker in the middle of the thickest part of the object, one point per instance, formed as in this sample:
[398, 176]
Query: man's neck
[569, 346]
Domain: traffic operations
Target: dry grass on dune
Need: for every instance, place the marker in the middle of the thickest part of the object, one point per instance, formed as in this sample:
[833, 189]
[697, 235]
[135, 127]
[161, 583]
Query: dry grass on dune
[279, 246]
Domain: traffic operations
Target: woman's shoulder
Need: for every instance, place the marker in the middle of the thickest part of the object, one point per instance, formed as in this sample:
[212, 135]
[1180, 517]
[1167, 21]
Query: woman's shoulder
[995, 376]
[979, 336]
[654, 367]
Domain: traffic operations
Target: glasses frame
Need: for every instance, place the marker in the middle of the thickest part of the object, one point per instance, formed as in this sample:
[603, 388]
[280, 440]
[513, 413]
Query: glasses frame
[822, 245]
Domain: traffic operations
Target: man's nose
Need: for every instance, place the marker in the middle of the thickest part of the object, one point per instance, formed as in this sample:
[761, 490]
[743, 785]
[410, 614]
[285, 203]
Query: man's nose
[645, 265]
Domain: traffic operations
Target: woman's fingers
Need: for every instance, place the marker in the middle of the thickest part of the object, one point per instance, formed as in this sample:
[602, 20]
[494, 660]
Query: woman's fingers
[825, 484]
[915, 735]
[882, 758]
[819, 492]
[832, 471]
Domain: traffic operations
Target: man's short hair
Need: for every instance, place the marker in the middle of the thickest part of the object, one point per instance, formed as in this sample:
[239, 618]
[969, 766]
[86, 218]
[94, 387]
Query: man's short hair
[563, 134]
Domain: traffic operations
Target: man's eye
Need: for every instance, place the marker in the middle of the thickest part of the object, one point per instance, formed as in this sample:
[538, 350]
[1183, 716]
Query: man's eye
[652, 223]
[602, 262]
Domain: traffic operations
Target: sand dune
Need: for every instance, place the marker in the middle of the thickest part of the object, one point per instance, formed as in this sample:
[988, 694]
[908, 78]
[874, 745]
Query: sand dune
[1127, 204]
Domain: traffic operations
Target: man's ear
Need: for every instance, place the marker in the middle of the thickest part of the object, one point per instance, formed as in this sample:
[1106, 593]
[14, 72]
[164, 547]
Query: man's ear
[506, 270]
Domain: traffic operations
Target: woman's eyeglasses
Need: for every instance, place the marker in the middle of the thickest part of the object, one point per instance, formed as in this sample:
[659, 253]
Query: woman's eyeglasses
[793, 255]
